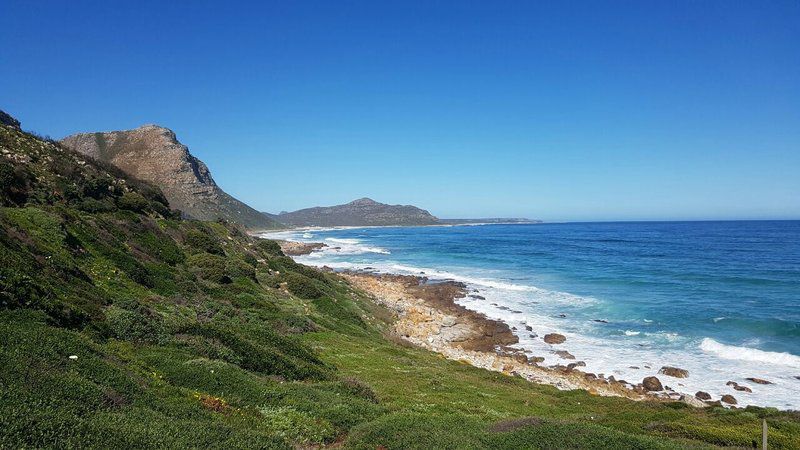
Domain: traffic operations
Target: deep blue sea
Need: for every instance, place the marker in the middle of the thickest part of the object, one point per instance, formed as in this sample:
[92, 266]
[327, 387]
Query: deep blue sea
[721, 299]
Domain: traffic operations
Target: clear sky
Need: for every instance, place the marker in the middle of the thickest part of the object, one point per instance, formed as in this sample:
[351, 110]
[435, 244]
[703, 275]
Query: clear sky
[554, 110]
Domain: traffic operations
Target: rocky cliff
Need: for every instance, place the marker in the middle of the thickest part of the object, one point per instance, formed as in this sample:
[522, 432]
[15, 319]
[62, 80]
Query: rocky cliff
[153, 153]
[361, 212]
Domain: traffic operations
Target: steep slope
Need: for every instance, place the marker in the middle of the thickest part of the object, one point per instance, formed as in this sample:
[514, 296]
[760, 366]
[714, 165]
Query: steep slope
[361, 212]
[153, 153]
[123, 325]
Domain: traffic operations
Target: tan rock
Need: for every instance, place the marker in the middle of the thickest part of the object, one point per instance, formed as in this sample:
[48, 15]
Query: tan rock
[674, 372]
[652, 384]
[554, 338]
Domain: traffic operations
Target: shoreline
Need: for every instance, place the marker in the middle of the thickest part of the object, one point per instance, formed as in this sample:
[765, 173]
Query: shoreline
[406, 292]
[427, 316]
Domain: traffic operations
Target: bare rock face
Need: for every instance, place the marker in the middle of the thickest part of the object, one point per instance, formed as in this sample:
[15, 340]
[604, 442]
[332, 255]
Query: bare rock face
[153, 153]
[554, 338]
[652, 384]
[674, 372]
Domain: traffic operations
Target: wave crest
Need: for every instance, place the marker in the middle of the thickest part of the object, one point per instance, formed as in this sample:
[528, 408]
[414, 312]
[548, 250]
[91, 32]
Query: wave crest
[749, 354]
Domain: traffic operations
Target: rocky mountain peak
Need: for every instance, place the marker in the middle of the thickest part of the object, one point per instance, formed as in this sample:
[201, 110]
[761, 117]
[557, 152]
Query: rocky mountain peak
[364, 201]
[153, 153]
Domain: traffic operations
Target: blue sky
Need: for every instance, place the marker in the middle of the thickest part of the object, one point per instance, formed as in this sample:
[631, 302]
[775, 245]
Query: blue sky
[554, 110]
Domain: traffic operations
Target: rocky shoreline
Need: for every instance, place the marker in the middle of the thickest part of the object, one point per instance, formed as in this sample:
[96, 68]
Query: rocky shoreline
[428, 316]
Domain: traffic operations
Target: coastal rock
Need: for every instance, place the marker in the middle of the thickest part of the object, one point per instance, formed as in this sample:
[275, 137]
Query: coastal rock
[563, 354]
[741, 388]
[674, 372]
[291, 248]
[652, 384]
[536, 359]
[760, 380]
[729, 399]
[528, 327]
[692, 401]
[576, 364]
[703, 395]
[554, 338]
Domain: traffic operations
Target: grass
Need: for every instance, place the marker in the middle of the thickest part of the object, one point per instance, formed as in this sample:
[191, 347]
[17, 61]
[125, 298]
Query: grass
[122, 325]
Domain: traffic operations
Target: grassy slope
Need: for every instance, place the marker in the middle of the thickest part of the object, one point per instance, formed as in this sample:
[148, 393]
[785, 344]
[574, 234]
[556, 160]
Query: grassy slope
[193, 334]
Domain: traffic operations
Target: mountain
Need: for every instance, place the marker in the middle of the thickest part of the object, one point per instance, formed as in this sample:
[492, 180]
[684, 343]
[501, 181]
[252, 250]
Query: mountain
[153, 153]
[361, 212]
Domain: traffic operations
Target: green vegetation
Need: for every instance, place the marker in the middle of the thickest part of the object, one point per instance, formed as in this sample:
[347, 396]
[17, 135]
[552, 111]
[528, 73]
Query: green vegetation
[123, 326]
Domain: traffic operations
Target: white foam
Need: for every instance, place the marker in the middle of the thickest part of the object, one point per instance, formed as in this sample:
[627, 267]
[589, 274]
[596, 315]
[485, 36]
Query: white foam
[749, 354]
[628, 354]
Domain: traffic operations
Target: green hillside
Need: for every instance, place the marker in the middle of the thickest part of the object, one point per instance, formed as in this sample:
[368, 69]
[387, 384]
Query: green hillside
[122, 325]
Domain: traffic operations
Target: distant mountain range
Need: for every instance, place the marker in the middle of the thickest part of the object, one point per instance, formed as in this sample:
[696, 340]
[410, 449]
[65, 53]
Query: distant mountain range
[368, 212]
[153, 153]
[361, 212]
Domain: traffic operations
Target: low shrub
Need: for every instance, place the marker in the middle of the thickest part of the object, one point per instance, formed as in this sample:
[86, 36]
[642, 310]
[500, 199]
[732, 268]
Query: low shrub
[270, 247]
[133, 201]
[300, 285]
[210, 267]
[203, 241]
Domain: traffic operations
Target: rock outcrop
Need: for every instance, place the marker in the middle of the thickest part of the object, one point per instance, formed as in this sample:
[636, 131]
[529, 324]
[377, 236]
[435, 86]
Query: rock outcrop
[703, 395]
[361, 212]
[153, 153]
[674, 372]
[554, 338]
[652, 384]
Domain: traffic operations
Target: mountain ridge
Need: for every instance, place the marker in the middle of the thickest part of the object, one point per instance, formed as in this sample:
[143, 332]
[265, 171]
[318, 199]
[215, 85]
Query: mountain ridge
[360, 212]
[154, 154]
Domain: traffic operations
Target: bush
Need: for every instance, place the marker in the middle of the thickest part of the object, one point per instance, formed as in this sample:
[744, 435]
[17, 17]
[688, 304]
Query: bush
[210, 267]
[236, 268]
[203, 241]
[96, 206]
[270, 247]
[297, 426]
[300, 285]
[138, 325]
[133, 201]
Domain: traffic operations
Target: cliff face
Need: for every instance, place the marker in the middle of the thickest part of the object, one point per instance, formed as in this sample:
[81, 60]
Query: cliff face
[361, 212]
[153, 153]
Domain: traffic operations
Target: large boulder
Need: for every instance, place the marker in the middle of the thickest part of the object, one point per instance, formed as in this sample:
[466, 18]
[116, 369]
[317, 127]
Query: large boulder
[554, 338]
[729, 399]
[703, 395]
[652, 384]
[674, 372]
[692, 401]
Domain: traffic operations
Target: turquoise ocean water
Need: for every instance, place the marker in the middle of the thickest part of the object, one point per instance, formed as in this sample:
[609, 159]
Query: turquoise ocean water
[721, 299]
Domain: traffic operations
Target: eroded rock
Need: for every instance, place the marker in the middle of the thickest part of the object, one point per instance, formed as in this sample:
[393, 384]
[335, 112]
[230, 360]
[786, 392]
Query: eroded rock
[554, 338]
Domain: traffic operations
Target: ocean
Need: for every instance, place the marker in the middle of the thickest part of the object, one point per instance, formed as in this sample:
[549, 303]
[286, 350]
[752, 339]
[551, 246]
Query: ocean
[719, 299]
